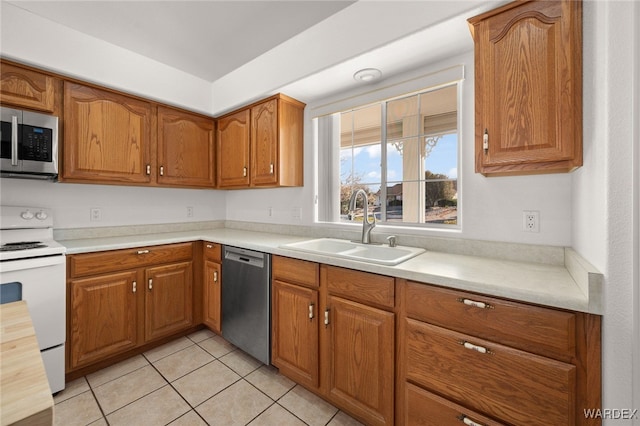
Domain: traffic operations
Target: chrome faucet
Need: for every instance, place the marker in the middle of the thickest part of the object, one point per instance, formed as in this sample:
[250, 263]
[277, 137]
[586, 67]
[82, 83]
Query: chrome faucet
[366, 225]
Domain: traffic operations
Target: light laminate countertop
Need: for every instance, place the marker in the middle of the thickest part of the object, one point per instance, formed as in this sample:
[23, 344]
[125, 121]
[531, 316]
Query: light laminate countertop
[25, 396]
[574, 286]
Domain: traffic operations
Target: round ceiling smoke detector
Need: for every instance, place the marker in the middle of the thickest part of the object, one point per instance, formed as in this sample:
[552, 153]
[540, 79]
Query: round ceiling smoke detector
[367, 75]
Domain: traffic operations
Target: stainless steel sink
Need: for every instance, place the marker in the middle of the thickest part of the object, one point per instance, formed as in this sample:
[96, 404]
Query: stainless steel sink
[380, 254]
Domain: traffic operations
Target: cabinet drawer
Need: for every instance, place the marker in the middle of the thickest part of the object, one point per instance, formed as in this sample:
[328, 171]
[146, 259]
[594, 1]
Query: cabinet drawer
[361, 286]
[514, 386]
[535, 329]
[118, 260]
[295, 271]
[212, 251]
[426, 409]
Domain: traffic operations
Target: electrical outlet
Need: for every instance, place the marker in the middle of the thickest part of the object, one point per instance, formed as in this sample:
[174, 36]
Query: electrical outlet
[296, 213]
[95, 215]
[189, 211]
[531, 221]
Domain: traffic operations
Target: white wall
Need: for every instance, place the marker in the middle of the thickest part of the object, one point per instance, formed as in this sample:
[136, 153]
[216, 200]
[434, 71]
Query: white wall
[120, 205]
[603, 210]
[31, 39]
[491, 207]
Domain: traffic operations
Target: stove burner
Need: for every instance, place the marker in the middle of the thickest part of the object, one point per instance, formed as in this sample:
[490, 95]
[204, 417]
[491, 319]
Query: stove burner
[26, 245]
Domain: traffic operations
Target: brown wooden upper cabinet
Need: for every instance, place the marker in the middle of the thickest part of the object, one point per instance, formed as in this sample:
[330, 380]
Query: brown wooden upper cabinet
[114, 138]
[186, 149]
[261, 145]
[108, 136]
[25, 88]
[528, 88]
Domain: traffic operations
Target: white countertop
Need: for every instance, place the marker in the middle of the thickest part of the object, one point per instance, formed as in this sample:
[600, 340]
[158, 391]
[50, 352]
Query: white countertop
[542, 284]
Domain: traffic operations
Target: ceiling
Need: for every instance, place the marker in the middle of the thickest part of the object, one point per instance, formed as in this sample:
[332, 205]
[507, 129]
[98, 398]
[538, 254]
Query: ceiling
[308, 49]
[207, 39]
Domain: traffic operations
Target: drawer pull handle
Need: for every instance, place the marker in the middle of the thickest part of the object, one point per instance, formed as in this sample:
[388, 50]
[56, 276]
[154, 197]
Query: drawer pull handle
[209, 246]
[215, 276]
[326, 318]
[135, 285]
[148, 169]
[476, 348]
[311, 311]
[150, 284]
[244, 172]
[143, 251]
[475, 303]
[467, 421]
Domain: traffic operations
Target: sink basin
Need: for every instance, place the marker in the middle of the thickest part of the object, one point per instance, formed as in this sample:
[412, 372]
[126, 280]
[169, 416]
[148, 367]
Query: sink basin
[380, 254]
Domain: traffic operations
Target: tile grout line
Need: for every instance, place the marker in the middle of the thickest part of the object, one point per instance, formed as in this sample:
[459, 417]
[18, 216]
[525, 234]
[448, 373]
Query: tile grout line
[273, 401]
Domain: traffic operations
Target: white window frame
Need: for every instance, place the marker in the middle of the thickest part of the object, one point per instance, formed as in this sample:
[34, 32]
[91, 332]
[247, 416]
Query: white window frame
[326, 122]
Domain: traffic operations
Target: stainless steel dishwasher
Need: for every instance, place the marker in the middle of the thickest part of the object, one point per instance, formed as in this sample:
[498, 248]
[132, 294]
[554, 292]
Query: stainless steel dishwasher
[246, 301]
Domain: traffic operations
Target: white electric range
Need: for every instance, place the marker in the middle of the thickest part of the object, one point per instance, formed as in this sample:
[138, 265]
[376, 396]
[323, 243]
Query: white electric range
[33, 269]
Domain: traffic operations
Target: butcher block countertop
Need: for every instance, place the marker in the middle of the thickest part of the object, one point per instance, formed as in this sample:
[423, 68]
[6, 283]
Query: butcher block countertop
[25, 396]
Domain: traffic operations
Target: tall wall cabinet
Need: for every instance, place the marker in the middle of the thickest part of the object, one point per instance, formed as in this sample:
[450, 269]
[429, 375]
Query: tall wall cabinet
[528, 87]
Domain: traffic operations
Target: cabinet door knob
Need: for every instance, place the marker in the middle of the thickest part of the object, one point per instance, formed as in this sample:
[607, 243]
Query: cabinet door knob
[148, 169]
[215, 276]
[244, 172]
[161, 170]
[326, 318]
[271, 168]
[150, 284]
[135, 285]
[311, 306]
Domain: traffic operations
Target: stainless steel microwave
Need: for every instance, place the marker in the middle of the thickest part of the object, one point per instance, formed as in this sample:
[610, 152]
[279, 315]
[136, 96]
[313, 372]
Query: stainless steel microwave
[29, 144]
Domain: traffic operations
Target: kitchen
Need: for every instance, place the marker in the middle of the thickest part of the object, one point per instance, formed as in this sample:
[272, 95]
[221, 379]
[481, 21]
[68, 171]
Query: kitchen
[594, 209]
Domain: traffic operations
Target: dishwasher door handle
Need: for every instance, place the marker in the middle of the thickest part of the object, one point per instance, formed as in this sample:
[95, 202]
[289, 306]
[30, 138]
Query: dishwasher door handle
[243, 256]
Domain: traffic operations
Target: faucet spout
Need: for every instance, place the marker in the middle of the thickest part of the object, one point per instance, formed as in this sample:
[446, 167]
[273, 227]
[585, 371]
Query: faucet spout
[366, 225]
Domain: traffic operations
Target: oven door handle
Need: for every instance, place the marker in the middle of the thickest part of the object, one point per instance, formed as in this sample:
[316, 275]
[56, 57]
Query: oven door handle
[14, 140]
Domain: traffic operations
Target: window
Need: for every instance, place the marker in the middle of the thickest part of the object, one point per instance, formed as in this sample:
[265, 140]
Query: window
[403, 153]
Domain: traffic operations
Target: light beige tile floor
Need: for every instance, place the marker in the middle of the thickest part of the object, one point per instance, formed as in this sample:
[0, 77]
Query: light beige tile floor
[195, 380]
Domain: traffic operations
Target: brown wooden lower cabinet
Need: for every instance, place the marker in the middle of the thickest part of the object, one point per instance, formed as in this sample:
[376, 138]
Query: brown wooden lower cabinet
[506, 383]
[391, 351]
[490, 362]
[427, 409]
[103, 317]
[295, 332]
[168, 299]
[359, 368]
[328, 337]
[212, 282]
[116, 308]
